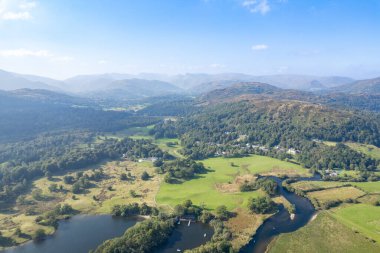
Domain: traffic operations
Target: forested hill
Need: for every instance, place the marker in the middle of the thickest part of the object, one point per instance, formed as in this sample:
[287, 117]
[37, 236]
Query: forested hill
[238, 91]
[27, 113]
[269, 126]
[272, 122]
[369, 86]
[241, 88]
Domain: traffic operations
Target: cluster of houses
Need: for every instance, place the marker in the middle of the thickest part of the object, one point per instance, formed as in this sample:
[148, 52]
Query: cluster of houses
[291, 151]
[331, 173]
[148, 159]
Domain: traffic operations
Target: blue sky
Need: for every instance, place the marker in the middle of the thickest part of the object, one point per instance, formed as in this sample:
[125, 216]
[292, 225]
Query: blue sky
[69, 37]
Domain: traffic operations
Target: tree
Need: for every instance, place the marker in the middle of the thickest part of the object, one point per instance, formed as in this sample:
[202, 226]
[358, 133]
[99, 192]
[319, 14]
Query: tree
[179, 210]
[145, 176]
[68, 179]
[158, 163]
[222, 212]
[76, 188]
[39, 235]
[206, 217]
[188, 203]
[66, 209]
[18, 232]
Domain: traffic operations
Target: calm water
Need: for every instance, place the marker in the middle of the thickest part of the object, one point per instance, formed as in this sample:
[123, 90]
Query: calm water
[78, 235]
[187, 237]
[281, 222]
[83, 233]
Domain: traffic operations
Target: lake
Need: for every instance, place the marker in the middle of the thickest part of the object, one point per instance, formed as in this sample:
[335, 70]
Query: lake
[82, 233]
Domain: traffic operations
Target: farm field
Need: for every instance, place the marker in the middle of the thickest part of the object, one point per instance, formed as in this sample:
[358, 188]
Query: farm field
[219, 185]
[369, 187]
[335, 194]
[360, 217]
[324, 234]
[316, 185]
[98, 199]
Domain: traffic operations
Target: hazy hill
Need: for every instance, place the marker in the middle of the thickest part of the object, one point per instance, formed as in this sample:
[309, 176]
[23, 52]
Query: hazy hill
[368, 86]
[135, 88]
[13, 81]
[299, 82]
[86, 83]
[46, 97]
[242, 88]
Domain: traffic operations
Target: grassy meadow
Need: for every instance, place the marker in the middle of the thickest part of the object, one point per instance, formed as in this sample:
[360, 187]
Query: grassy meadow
[220, 185]
[335, 194]
[369, 187]
[370, 150]
[360, 217]
[324, 234]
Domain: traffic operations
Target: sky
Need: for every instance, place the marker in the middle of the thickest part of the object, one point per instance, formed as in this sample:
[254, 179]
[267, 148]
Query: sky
[63, 38]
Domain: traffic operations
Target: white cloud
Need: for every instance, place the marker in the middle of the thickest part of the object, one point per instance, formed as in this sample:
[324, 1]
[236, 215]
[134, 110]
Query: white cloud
[27, 5]
[217, 66]
[257, 6]
[16, 9]
[24, 53]
[102, 62]
[259, 47]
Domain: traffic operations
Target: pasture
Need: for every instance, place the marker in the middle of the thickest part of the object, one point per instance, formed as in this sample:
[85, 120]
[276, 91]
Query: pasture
[370, 150]
[335, 194]
[316, 185]
[360, 217]
[218, 186]
[324, 234]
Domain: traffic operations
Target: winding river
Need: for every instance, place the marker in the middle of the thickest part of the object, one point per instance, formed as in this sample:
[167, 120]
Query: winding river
[281, 222]
[84, 232]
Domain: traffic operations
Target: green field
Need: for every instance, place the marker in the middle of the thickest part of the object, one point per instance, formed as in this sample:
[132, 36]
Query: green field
[210, 189]
[316, 185]
[361, 217]
[172, 149]
[370, 150]
[370, 187]
[324, 234]
[335, 194]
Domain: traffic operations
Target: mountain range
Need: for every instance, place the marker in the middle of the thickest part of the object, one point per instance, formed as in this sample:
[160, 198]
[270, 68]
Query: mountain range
[126, 86]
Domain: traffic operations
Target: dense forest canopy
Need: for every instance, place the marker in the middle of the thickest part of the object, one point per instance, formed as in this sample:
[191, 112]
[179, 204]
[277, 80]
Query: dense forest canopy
[258, 126]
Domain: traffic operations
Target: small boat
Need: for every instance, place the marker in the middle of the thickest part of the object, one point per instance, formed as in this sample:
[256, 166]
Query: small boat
[179, 222]
[204, 235]
[189, 223]
[178, 250]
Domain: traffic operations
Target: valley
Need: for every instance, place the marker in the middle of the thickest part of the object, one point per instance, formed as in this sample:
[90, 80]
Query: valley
[236, 160]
